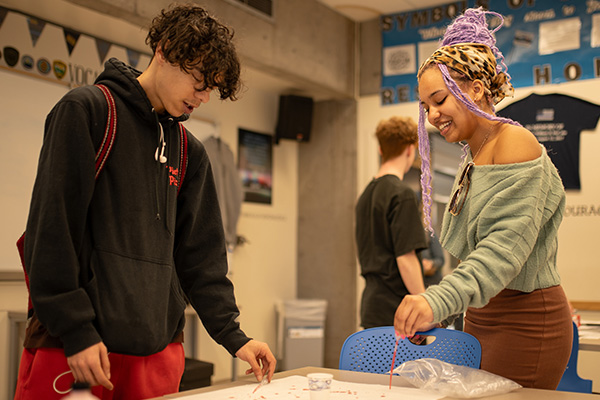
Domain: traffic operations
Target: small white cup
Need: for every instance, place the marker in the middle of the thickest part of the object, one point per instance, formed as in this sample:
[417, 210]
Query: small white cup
[319, 385]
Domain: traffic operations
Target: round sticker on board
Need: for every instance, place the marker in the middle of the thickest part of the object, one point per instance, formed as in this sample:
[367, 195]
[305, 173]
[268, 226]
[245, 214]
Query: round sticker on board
[27, 62]
[43, 66]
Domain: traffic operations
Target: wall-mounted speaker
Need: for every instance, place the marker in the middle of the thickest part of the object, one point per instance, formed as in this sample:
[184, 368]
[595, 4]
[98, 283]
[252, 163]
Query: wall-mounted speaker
[295, 118]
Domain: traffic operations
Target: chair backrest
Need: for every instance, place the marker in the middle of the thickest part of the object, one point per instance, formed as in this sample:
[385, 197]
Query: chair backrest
[371, 350]
[570, 381]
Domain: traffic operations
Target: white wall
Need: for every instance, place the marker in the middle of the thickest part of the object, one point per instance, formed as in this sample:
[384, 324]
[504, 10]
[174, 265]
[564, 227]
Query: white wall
[578, 236]
[264, 269]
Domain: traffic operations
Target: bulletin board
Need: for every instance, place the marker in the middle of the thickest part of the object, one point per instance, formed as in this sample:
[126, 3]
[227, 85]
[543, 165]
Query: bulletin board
[543, 42]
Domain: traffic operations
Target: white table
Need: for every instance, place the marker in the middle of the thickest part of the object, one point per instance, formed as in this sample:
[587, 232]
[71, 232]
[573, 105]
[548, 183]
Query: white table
[362, 377]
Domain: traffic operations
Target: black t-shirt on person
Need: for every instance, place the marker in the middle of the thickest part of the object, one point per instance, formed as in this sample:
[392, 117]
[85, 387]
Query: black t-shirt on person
[388, 225]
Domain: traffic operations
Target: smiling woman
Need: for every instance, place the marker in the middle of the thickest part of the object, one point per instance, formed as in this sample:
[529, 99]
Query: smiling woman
[502, 219]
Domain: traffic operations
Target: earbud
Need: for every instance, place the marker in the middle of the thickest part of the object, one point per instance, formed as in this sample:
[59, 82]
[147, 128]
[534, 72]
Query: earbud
[162, 157]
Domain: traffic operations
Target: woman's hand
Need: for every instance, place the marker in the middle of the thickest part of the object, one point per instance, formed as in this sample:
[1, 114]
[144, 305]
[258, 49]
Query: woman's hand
[413, 315]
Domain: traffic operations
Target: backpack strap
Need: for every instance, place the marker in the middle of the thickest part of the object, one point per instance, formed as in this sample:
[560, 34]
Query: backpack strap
[109, 131]
[183, 156]
[101, 157]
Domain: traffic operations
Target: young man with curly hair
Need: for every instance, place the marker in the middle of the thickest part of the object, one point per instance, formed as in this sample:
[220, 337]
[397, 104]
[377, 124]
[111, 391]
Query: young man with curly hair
[389, 232]
[113, 259]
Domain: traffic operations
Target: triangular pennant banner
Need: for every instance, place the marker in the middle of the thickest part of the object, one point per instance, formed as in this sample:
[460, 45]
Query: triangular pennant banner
[103, 47]
[133, 57]
[36, 26]
[3, 12]
[71, 38]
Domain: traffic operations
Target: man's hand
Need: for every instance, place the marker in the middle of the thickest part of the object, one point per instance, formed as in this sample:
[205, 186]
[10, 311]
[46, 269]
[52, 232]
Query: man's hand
[260, 358]
[412, 315]
[92, 366]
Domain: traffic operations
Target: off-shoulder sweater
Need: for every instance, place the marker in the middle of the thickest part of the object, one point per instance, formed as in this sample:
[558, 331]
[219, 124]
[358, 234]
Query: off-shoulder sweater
[505, 235]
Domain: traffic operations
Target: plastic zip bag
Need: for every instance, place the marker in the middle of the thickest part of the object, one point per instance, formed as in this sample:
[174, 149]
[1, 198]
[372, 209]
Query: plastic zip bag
[453, 380]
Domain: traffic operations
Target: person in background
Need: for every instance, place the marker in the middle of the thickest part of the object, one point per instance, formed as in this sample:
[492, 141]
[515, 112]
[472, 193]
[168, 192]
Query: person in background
[389, 232]
[113, 260]
[501, 221]
[433, 260]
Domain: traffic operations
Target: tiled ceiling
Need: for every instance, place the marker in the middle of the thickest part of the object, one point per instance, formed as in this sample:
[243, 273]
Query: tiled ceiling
[361, 10]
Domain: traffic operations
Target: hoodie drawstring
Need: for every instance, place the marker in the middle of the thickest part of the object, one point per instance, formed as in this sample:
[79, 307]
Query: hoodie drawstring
[161, 158]
[162, 144]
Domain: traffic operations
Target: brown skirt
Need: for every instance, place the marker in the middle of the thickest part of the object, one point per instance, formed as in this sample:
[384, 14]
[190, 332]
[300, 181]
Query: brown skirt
[525, 337]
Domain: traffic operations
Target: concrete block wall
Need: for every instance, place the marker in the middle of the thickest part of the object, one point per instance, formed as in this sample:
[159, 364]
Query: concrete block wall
[305, 42]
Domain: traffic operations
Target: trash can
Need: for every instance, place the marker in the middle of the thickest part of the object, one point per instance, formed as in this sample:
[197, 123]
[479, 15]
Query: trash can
[301, 332]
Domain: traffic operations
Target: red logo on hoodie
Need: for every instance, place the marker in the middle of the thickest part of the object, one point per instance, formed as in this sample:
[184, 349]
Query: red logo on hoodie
[173, 176]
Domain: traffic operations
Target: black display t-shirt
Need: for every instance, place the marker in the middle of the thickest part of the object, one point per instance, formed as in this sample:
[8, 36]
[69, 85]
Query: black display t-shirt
[388, 225]
[557, 121]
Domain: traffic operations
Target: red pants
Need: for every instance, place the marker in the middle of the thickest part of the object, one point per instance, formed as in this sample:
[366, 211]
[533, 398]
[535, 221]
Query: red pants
[133, 377]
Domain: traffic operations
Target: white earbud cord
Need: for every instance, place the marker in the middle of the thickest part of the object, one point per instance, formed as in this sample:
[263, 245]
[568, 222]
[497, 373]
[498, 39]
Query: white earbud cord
[161, 157]
[57, 378]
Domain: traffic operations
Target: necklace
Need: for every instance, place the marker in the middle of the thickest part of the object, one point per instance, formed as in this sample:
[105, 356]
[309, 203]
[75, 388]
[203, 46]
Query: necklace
[483, 143]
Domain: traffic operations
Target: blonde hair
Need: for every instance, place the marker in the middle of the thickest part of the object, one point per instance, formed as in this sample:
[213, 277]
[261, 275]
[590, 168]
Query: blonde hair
[394, 135]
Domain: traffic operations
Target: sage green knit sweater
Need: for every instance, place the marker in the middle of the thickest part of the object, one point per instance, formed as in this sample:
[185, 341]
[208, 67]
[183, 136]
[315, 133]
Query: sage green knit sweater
[505, 235]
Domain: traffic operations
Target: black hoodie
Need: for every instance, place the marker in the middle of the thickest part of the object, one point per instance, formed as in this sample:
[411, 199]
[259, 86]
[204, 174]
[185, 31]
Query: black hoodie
[114, 259]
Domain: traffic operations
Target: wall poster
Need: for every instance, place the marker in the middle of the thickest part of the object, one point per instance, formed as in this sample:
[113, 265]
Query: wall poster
[255, 165]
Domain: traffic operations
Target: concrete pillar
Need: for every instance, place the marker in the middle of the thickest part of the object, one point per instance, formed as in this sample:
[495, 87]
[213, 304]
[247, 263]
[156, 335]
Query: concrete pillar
[327, 194]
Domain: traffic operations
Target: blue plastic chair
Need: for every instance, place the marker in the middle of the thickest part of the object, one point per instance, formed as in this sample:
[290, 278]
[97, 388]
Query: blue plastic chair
[570, 381]
[371, 350]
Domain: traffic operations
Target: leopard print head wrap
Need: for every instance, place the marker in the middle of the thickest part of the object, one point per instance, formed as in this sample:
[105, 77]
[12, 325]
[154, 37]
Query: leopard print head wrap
[476, 61]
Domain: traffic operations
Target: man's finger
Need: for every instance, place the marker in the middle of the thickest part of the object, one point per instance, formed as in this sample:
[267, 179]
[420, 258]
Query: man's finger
[255, 368]
[100, 378]
[104, 360]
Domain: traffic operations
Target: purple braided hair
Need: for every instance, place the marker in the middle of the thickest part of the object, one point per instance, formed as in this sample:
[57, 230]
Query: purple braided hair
[471, 27]
[424, 152]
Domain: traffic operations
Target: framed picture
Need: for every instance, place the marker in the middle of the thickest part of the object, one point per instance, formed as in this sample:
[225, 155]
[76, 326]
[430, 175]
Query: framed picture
[255, 156]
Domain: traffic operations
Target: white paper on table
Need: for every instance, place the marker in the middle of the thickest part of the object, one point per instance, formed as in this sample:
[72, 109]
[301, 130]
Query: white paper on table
[296, 388]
